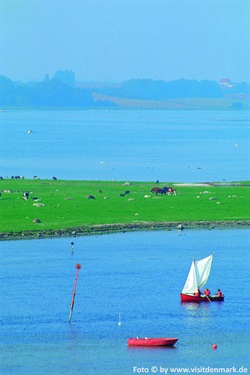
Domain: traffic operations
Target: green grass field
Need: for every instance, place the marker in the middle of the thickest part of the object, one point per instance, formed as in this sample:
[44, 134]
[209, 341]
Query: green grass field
[227, 103]
[64, 204]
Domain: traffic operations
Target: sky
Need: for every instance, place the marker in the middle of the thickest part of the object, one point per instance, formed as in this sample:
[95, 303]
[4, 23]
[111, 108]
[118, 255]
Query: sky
[118, 40]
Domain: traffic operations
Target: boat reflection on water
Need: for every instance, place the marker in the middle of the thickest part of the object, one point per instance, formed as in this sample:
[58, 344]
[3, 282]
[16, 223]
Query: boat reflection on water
[150, 348]
[202, 312]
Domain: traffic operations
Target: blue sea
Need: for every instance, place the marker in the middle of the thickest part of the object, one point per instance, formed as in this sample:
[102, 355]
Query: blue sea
[180, 146]
[137, 275]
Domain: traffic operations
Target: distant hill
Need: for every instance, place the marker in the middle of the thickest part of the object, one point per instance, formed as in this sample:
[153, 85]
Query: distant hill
[48, 93]
[148, 89]
[64, 92]
[179, 94]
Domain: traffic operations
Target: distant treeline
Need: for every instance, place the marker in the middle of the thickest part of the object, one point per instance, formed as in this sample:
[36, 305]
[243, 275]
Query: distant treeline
[61, 91]
[148, 89]
[48, 93]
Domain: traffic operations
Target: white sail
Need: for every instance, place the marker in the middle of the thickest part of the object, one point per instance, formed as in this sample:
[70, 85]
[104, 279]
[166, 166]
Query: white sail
[198, 275]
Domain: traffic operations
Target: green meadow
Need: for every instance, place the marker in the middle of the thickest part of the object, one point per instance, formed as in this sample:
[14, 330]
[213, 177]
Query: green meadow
[65, 204]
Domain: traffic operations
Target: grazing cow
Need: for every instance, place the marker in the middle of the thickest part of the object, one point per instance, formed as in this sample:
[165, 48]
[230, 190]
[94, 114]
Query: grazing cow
[161, 191]
[90, 197]
[122, 195]
[26, 195]
[54, 178]
[127, 191]
[36, 178]
[171, 191]
[1, 178]
[100, 191]
[17, 177]
[157, 191]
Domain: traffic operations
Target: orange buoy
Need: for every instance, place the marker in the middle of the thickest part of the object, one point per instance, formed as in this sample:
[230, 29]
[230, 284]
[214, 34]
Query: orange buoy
[214, 346]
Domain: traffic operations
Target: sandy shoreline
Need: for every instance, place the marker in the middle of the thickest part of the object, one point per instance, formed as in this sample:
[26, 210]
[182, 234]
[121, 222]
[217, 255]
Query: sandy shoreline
[114, 228]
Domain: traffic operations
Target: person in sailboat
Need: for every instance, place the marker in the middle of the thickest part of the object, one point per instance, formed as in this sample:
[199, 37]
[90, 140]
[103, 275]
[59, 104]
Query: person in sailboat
[207, 292]
[198, 293]
[220, 293]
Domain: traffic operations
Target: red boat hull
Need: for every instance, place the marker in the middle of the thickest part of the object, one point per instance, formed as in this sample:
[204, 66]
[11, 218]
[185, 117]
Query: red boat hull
[202, 298]
[161, 341]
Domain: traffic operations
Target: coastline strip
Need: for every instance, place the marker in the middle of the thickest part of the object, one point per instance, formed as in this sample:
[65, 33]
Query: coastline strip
[120, 227]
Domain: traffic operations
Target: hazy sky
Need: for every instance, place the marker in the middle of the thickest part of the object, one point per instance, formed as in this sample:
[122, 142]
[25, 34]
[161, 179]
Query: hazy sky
[116, 40]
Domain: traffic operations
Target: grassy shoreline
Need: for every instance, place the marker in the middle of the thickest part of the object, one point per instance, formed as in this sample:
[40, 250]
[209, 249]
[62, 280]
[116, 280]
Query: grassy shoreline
[63, 208]
[118, 228]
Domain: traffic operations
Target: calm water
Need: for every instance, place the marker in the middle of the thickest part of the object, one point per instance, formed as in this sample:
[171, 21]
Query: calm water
[138, 275]
[126, 145]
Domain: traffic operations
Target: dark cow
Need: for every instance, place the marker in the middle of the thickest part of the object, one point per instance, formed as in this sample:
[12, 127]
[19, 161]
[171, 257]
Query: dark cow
[26, 195]
[90, 197]
[126, 192]
[157, 191]
[54, 178]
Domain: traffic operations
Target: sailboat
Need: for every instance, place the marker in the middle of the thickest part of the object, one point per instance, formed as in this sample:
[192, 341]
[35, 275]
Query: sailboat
[197, 278]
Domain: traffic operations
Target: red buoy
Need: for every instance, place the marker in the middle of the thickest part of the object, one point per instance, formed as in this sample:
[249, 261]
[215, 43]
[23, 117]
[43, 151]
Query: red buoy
[78, 266]
[214, 346]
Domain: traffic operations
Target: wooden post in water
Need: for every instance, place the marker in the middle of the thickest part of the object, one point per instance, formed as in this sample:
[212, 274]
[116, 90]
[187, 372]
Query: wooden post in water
[78, 267]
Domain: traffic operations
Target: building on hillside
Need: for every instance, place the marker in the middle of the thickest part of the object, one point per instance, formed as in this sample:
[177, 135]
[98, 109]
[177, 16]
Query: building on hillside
[226, 82]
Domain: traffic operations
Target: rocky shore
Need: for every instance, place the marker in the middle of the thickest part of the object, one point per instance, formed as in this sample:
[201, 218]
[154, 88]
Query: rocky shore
[114, 228]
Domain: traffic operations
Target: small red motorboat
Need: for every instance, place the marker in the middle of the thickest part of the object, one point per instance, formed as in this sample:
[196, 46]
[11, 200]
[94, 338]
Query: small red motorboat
[157, 341]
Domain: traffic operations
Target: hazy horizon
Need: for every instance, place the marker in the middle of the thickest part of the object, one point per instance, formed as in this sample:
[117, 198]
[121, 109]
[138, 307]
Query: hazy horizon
[118, 40]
